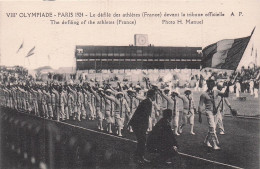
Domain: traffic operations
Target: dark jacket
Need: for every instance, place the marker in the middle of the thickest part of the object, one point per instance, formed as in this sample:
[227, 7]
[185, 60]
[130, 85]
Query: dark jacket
[161, 138]
[141, 116]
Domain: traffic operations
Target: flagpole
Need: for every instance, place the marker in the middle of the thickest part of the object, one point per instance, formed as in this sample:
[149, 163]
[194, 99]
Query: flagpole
[247, 44]
[48, 60]
[29, 61]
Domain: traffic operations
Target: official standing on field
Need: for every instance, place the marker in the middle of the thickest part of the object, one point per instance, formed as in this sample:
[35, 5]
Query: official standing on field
[139, 123]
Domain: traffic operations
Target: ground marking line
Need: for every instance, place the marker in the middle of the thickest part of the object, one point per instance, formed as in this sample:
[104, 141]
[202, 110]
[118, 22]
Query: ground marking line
[187, 155]
[242, 117]
[203, 159]
[179, 152]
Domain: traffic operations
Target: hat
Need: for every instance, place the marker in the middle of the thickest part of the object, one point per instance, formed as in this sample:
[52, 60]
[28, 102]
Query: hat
[175, 92]
[167, 88]
[118, 93]
[137, 87]
[187, 92]
[131, 90]
[109, 90]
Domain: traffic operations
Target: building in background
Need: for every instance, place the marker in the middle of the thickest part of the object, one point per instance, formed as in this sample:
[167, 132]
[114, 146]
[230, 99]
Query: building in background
[139, 56]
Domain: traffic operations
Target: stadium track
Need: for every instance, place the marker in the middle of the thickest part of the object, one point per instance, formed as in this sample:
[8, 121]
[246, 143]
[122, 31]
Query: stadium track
[237, 148]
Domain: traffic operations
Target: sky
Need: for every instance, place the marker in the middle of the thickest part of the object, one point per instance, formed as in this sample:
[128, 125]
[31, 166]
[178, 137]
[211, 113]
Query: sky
[57, 42]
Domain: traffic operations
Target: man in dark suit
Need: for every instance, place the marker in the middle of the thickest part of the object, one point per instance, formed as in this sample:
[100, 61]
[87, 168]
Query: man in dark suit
[162, 140]
[139, 123]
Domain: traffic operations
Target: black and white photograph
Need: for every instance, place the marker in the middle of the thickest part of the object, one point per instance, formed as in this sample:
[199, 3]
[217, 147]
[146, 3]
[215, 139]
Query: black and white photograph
[112, 84]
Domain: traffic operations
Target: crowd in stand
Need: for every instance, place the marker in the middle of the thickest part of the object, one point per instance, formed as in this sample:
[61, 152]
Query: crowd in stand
[247, 81]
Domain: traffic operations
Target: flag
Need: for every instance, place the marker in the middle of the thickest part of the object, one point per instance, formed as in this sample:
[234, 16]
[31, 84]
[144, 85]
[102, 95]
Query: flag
[252, 50]
[21, 46]
[201, 81]
[225, 54]
[30, 52]
[256, 57]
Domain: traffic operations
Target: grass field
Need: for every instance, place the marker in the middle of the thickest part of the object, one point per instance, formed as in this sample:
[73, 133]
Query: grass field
[249, 107]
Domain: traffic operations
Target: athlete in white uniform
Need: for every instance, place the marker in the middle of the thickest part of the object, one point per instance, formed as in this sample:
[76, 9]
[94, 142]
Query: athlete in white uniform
[172, 103]
[220, 114]
[121, 109]
[208, 99]
[188, 111]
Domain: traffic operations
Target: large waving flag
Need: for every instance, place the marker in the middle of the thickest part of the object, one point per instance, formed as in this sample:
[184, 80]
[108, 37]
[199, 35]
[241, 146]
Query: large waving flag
[225, 54]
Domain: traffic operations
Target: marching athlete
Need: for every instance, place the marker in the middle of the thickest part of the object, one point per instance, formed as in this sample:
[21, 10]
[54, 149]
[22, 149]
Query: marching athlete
[121, 109]
[220, 107]
[109, 111]
[208, 99]
[99, 105]
[172, 104]
[188, 111]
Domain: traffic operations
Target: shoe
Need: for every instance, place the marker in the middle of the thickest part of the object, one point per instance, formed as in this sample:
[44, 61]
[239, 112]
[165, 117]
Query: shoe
[131, 131]
[180, 129]
[119, 135]
[216, 148]
[221, 133]
[145, 160]
[208, 144]
[166, 163]
[101, 129]
[142, 160]
[192, 133]
[177, 134]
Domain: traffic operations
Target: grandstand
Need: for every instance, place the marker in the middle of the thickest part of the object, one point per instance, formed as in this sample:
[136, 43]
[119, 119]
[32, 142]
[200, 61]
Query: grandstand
[137, 57]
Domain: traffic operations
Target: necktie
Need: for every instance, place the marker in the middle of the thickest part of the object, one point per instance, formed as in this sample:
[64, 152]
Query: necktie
[189, 103]
[174, 107]
[77, 97]
[213, 101]
[111, 108]
[166, 103]
[60, 98]
[131, 104]
[68, 97]
[121, 107]
[100, 102]
[222, 104]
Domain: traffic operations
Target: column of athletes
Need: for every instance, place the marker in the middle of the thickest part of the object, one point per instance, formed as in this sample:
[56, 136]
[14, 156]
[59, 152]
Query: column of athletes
[112, 106]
